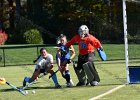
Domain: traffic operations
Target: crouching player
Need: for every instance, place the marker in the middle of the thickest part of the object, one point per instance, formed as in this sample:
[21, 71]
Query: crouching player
[44, 65]
[63, 59]
[85, 66]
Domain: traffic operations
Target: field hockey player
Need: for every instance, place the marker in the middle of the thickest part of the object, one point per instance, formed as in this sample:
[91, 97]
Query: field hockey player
[63, 58]
[44, 65]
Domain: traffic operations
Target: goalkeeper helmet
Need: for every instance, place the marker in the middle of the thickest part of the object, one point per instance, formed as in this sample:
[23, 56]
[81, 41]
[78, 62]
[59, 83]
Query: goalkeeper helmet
[83, 31]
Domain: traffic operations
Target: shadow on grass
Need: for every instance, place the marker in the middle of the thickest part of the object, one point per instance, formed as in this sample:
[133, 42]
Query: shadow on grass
[63, 87]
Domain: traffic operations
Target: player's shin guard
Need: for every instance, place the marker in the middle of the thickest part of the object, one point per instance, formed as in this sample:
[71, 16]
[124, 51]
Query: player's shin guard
[88, 72]
[93, 70]
[67, 76]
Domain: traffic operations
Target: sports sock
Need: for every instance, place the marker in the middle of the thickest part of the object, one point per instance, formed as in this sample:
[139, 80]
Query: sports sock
[67, 76]
[54, 78]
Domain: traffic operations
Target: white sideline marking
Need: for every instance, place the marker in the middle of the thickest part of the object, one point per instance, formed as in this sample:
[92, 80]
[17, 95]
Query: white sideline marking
[108, 92]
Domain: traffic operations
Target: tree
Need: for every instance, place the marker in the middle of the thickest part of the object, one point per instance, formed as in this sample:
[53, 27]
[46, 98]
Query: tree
[11, 13]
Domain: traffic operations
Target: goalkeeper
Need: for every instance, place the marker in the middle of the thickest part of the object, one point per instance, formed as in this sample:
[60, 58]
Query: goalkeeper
[85, 69]
[44, 65]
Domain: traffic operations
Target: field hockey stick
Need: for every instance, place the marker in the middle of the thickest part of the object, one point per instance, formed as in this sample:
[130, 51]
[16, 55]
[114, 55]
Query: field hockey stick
[53, 73]
[28, 85]
[74, 64]
[14, 87]
[3, 81]
[59, 48]
[31, 82]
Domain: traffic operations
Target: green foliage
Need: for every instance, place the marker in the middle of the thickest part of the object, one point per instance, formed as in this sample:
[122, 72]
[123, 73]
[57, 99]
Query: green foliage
[33, 36]
[23, 26]
[134, 39]
[3, 37]
[65, 16]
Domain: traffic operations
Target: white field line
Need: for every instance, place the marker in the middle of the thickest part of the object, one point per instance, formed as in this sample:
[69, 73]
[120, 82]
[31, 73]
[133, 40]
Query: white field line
[108, 92]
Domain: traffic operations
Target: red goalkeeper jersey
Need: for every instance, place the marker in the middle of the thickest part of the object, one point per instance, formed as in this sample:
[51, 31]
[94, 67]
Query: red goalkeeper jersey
[86, 45]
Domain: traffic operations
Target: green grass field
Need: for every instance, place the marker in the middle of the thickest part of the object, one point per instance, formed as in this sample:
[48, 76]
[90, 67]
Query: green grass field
[112, 74]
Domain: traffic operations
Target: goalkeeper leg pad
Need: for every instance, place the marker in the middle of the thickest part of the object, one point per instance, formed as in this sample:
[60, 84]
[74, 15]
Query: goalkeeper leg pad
[80, 75]
[88, 72]
[94, 71]
[91, 72]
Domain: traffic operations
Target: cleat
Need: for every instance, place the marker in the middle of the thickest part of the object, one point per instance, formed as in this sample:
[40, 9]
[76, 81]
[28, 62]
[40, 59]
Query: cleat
[57, 86]
[70, 84]
[80, 84]
[94, 83]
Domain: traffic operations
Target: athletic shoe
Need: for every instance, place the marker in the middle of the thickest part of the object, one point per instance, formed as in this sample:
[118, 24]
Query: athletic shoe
[94, 83]
[70, 84]
[24, 82]
[80, 84]
[57, 86]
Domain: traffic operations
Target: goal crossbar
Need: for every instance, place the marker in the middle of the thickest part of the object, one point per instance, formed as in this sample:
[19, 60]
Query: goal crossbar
[135, 1]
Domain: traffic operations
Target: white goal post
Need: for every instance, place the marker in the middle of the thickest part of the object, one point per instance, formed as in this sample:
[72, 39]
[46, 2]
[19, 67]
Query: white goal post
[125, 38]
[126, 35]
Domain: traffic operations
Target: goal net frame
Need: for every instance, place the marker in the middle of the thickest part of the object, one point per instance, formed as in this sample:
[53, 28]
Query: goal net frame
[126, 35]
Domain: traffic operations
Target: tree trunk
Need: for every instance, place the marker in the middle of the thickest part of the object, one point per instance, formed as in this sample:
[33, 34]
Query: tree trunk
[1, 14]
